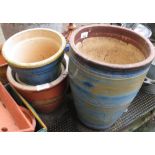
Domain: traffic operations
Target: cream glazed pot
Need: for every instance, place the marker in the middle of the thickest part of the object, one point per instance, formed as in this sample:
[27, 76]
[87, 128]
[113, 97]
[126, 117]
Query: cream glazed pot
[35, 55]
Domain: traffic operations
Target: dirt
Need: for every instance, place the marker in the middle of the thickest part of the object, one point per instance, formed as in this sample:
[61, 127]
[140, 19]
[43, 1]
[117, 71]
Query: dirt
[110, 50]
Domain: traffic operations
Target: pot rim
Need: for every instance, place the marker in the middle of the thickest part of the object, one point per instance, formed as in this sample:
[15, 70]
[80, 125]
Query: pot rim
[42, 87]
[110, 65]
[39, 63]
[4, 64]
[30, 115]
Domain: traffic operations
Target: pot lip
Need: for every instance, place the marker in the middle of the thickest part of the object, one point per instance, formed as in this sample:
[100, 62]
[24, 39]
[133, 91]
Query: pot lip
[4, 64]
[42, 87]
[39, 63]
[33, 120]
[109, 65]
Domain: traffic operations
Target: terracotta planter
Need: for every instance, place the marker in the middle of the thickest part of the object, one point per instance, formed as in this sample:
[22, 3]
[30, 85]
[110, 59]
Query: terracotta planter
[46, 97]
[35, 55]
[102, 87]
[40, 125]
[29, 116]
[11, 116]
[3, 67]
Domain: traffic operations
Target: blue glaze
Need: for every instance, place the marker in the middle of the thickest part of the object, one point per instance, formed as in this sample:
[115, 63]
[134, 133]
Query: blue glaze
[67, 47]
[125, 98]
[102, 96]
[40, 75]
[101, 118]
[110, 73]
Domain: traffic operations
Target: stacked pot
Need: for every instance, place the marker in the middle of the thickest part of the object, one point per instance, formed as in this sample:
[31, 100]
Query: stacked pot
[38, 67]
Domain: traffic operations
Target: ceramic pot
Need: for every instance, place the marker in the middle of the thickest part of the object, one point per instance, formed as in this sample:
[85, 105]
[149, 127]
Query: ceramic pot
[12, 118]
[3, 67]
[29, 116]
[47, 97]
[103, 91]
[35, 55]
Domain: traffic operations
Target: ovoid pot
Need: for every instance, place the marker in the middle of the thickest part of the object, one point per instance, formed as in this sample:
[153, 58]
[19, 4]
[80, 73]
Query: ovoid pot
[103, 91]
[47, 97]
[35, 55]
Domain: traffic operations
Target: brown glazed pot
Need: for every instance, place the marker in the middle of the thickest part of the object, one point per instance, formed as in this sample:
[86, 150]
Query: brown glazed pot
[47, 97]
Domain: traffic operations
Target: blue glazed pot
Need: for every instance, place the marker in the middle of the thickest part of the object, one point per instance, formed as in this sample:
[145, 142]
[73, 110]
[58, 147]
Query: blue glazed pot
[35, 55]
[40, 75]
[103, 91]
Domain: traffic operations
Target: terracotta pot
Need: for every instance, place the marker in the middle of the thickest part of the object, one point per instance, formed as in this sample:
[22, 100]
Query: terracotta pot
[103, 90]
[35, 55]
[29, 116]
[11, 116]
[46, 97]
[3, 67]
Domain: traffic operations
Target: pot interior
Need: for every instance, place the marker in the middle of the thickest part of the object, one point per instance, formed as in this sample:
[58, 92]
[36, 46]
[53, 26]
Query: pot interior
[32, 46]
[111, 45]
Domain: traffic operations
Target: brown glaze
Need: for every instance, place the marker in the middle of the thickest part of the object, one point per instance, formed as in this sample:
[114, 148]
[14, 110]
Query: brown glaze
[45, 98]
[126, 35]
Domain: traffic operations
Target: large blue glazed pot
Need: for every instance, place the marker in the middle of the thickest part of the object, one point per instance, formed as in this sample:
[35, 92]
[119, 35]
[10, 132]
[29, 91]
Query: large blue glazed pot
[103, 91]
[35, 55]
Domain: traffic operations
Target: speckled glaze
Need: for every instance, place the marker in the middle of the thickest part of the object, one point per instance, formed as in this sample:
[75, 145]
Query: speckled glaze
[47, 97]
[102, 91]
[38, 72]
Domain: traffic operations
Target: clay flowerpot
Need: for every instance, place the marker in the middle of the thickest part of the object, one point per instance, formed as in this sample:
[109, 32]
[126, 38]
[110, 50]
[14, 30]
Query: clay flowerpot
[29, 116]
[107, 67]
[35, 55]
[11, 116]
[46, 97]
[3, 67]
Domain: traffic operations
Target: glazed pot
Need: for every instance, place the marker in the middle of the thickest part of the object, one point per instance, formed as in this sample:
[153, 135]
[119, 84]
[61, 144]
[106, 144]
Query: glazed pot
[103, 91]
[35, 55]
[3, 67]
[151, 72]
[47, 97]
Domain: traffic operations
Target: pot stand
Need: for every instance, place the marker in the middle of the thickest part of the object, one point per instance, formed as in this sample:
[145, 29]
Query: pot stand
[65, 119]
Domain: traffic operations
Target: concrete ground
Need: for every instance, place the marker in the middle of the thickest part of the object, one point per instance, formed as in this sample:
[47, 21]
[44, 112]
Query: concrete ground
[148, 127]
